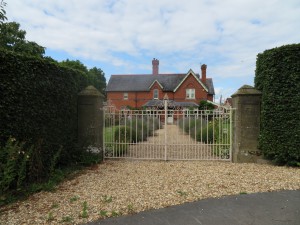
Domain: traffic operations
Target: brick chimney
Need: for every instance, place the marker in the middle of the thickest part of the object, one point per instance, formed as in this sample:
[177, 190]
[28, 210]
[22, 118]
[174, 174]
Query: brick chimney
[203, 73]
[155, 64]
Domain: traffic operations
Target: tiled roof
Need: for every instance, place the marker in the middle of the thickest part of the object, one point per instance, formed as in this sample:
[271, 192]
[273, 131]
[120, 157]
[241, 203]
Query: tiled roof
[140, 82]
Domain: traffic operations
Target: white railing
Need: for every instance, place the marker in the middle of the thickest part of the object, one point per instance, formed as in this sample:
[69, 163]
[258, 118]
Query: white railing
[168, 134]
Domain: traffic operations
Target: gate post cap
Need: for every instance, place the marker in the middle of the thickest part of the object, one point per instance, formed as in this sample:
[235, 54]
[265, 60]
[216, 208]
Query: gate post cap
[90, 91]
[246, 90]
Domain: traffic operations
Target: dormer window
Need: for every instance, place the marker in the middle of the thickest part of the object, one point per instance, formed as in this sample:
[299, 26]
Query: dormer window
[190, 93]
[155, 94]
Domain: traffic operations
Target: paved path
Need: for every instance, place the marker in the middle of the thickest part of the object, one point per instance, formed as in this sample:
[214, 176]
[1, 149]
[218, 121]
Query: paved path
[274, 208]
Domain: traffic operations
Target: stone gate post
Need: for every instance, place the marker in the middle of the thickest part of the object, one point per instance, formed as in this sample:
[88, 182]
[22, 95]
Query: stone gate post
[90, 117]
[246, 101]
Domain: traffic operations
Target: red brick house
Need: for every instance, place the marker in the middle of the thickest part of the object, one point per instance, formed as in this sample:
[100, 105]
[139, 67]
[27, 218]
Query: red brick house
[148, 90]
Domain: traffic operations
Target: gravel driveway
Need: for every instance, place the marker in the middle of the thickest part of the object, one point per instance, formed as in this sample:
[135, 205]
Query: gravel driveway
[121, 187]
[179, 146]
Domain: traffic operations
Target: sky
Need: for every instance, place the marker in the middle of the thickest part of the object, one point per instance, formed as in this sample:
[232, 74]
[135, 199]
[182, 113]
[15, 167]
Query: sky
[123, 36]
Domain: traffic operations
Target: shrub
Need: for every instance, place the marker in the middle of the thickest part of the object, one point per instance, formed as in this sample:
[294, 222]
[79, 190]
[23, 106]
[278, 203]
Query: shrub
[122, 139]
[207, 134]
[192, 125]
[141, 128]
[13, 160]
[38, 106]
[277, 75]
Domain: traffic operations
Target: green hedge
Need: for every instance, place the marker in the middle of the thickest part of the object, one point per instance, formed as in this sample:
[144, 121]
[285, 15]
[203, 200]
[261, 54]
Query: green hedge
[38, 106]
[277, 75]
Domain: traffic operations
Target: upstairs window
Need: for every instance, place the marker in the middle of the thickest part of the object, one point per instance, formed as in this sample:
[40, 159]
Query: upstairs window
[125, 96]
[190, 93]
[155, 94]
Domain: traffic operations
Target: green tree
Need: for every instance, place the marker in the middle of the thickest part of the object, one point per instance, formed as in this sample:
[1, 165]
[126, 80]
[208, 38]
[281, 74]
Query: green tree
[76, 65]
[205, 105]
[12, 38]
[2, 12]
[96, 77]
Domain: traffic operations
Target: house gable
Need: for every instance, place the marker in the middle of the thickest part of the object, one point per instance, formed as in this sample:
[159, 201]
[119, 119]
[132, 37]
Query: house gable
[191, 73]
[156, 82]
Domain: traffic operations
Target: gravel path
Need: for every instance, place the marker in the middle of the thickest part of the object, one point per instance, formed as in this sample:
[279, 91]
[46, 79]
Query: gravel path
[121, 187]
[179, 146]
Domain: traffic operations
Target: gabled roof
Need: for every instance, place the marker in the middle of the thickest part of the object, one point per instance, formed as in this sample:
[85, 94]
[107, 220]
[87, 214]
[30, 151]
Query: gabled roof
[143, 82]
[156, 81]
[191, 72]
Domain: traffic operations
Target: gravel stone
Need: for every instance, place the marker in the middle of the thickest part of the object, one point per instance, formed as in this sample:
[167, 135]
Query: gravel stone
[121, 187]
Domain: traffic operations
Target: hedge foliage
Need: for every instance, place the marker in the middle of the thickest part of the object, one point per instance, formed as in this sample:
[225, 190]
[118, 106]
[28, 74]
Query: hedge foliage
[277, 75]
[38, 106]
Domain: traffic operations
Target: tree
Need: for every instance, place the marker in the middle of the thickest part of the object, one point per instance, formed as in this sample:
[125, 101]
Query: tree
[76, 65]
[205, 105]
[2, 12]
[12, 38]
[96, 77]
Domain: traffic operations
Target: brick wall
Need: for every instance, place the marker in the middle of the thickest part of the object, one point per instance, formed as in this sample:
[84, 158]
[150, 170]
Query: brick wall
[138, 99]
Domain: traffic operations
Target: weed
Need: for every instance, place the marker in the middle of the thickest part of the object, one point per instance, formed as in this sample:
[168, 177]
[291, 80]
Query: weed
[54, 205]
[74, 198]
[130, 208]
[84, 213]
[182, 193]
[67, 219]
[243, 193]
[107, 199]
[50, 217]
[103, 213]
[115, 213]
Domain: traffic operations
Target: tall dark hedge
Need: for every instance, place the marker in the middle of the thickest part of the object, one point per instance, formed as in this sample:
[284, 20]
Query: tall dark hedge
[278, 77]
[38, 105]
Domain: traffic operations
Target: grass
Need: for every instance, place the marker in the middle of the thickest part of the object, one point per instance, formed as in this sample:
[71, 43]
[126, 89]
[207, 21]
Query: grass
[109, 133]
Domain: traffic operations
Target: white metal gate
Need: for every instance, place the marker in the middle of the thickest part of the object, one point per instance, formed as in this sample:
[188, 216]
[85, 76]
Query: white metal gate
[168, 133]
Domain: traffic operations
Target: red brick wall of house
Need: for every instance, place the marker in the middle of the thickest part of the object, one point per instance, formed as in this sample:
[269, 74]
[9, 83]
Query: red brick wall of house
[138, 99]
[190, 82]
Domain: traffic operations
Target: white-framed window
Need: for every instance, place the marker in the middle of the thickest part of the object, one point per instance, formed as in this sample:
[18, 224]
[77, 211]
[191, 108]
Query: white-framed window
[125, 96]
[190, 93]
[155, 94]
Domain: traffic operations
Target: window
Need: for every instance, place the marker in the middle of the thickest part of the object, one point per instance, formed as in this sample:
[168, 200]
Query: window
[155, 94]
[190, 93]
[125, 96]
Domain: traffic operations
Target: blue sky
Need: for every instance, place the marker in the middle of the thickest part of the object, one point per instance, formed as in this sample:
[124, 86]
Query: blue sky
[123, 36]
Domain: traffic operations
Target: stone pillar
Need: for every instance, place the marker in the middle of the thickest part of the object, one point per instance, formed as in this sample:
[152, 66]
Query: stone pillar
[90, 118]
[246, 101]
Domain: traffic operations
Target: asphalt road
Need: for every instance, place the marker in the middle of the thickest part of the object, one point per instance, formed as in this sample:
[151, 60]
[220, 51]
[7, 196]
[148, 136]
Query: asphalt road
[272, 208]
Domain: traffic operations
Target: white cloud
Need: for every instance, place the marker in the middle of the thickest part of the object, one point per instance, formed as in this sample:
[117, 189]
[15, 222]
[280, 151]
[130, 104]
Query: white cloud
[227, 35]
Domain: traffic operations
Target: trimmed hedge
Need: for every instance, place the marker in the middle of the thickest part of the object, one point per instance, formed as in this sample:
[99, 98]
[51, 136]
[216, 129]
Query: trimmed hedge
[277, 75]
[38, 106]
